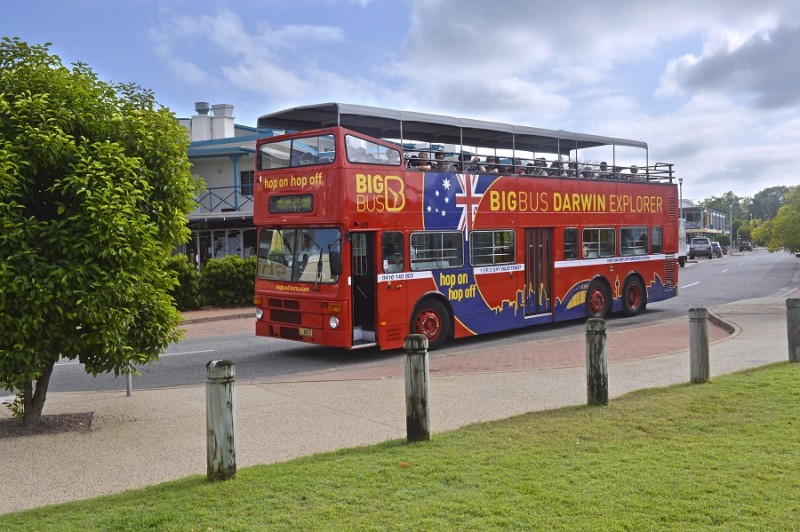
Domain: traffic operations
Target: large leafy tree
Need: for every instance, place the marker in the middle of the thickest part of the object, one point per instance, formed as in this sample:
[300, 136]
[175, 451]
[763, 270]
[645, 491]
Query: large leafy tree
[783, 231]
[95, 187]
[767, 202]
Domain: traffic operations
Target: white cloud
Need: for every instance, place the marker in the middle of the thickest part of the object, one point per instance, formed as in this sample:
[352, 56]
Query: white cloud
[697, 81]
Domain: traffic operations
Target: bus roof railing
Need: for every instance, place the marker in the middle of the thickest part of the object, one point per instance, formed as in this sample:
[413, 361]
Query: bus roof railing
[393, 124]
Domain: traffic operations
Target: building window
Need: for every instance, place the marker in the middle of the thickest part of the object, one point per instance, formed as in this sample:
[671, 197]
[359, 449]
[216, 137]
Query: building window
[246, 182]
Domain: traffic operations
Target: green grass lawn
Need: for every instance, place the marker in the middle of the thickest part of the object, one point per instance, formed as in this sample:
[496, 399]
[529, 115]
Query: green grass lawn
[723, 455]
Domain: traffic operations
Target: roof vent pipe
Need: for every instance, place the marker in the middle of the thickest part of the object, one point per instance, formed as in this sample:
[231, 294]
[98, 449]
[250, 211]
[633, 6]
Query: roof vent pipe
[202, 108]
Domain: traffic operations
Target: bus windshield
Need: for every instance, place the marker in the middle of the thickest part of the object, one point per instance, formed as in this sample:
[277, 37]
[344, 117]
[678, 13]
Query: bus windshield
[304, 254]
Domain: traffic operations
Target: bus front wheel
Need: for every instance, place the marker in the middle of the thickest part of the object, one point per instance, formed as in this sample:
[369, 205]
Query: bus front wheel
[634, 297]
[598, 300]
[432, 321]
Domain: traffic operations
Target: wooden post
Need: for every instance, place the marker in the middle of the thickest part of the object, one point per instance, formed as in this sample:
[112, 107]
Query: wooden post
[698, 345]
[220, 420]
[418, 412]
[596, 362]
[793, 328]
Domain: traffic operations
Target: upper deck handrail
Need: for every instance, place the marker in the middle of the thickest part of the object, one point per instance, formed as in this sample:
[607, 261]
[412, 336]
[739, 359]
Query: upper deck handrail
[389, 123]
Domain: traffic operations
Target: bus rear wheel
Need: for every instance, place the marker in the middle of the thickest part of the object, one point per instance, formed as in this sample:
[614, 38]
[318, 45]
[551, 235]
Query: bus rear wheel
[634, 298]
[432, 321]
[598, 300]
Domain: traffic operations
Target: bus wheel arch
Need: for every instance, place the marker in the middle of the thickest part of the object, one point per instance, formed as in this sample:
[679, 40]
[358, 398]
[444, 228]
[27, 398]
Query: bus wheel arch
[432, 318]
[634, 295]
[598, 298]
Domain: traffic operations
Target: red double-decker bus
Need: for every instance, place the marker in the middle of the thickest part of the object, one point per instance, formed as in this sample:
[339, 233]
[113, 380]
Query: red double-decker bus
[374, 224]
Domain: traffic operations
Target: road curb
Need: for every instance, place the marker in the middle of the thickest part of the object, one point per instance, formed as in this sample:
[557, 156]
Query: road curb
[206, 319]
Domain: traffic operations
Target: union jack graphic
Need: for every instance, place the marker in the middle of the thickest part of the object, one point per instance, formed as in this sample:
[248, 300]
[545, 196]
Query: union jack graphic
[468, 201]
[451, 200]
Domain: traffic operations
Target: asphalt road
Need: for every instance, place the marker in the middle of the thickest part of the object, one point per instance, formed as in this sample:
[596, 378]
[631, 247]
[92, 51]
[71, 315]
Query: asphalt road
[704, 283]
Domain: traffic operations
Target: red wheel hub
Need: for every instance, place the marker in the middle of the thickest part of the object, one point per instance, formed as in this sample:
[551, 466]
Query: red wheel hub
[597, 301]
[634, 296]
[429, 323]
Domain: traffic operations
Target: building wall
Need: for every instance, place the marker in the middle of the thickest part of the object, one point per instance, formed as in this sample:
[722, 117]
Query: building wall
[222, 222]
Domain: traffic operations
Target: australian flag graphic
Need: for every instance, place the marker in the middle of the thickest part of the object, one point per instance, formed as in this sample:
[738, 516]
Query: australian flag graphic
[450, 201]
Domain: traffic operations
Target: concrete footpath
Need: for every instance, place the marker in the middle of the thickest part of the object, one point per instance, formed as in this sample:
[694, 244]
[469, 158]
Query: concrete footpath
[159, 434]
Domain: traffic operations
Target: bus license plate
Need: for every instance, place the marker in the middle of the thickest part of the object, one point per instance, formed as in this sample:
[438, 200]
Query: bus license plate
[304, 331]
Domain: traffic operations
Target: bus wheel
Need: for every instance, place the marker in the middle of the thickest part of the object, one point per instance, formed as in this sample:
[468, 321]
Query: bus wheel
[634, 298]
[432, 321]
[598, 300]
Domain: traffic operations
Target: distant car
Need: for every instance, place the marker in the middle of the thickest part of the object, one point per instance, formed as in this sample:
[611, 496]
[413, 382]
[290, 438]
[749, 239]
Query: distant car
[716, 249]
[745, 246]
[700, 246]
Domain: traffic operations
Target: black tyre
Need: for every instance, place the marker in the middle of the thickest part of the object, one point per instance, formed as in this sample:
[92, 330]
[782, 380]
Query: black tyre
[432, 321]
[682, 261]
[598, 300]
[634, 296]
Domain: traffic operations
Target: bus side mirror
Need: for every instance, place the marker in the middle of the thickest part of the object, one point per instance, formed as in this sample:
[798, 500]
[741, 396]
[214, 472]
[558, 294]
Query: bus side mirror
[335, 259]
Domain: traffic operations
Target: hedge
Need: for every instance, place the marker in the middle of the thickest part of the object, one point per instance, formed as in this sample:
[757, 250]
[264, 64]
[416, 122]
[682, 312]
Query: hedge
[224, 282]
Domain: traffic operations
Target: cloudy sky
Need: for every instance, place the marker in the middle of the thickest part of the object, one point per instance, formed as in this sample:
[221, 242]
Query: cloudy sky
[712, 86]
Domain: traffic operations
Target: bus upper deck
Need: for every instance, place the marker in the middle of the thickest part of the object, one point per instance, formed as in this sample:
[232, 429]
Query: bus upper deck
[467, 145]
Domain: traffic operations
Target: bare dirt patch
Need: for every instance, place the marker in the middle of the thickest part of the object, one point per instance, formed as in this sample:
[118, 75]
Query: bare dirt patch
[55, 424]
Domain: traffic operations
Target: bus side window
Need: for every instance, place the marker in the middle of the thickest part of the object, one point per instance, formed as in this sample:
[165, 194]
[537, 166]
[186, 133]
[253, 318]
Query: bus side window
[570, 243]
[627, 240]
[392, 257]
[656, 246]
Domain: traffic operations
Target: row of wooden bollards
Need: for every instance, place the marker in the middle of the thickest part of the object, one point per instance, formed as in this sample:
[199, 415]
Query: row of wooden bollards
[221, 455]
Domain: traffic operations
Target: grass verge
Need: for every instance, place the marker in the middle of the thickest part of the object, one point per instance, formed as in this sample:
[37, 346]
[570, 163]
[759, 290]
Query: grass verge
[722, 455]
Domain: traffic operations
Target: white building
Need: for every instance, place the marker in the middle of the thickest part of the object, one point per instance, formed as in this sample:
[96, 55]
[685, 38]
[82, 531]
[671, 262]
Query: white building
[222, 153]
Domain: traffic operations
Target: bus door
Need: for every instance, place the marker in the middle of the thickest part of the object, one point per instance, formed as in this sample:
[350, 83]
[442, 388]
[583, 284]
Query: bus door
[538, 270]
[363, 280]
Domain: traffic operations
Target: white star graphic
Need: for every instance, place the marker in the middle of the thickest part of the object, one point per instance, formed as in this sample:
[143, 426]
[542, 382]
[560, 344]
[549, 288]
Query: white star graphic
[446, 183]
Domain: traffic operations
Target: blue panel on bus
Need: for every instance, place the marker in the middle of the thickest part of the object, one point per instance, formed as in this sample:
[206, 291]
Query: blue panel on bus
[451, 200]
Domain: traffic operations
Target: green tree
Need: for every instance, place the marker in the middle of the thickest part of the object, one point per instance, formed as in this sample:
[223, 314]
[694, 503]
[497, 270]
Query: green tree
[783, 232]
[767, 202]
[95, 187]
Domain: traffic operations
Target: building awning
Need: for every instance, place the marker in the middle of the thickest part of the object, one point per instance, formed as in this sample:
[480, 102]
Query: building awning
[710, 231]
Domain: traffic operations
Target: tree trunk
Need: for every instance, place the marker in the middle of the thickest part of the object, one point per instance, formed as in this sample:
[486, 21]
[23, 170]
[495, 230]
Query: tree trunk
[33, 401]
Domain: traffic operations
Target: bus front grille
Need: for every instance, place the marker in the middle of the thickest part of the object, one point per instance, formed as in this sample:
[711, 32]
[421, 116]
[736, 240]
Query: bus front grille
[284, 316]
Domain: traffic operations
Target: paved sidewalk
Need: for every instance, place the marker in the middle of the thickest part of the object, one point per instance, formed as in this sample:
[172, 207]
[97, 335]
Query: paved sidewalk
[159, 434]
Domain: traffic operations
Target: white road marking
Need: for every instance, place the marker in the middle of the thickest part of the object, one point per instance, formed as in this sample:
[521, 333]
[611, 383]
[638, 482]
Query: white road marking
[688, 285]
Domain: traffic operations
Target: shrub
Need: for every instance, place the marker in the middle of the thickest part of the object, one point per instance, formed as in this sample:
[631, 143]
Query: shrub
[187, 293]
[229, 281]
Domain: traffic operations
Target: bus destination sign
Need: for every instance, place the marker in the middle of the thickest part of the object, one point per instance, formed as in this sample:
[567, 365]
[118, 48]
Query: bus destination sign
[291, 204]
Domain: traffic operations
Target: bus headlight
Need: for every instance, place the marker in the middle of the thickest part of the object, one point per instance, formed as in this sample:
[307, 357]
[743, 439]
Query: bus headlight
[259, 313]
[333, 322]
